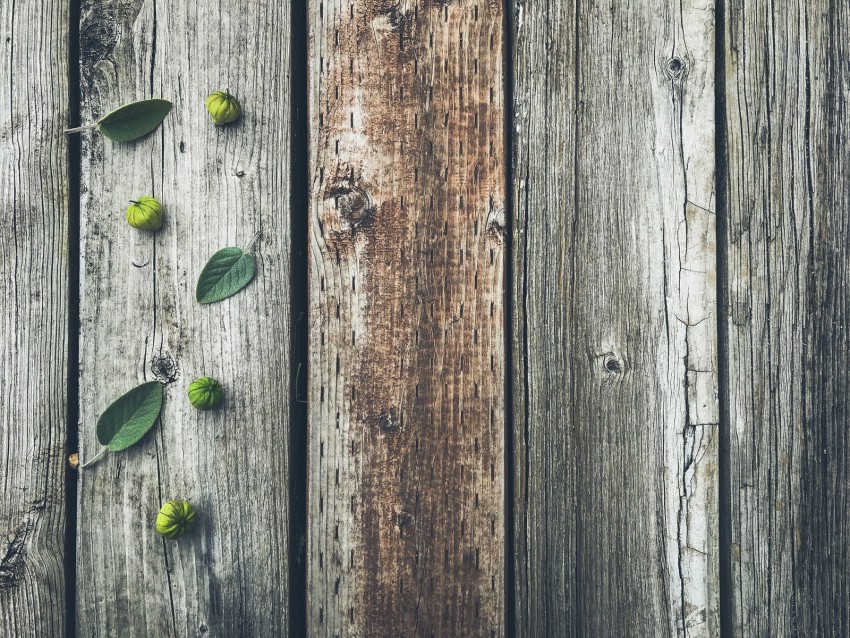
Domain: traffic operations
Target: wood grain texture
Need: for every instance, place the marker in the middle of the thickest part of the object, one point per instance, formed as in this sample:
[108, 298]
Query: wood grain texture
[140, 321]
[33, 316]
[614, 331]
[406, 471]
[787, 84]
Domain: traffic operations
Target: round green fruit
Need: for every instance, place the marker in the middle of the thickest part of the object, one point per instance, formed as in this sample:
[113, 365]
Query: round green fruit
[223, 107]
[145, 213]
[175, 518]
[206, 393]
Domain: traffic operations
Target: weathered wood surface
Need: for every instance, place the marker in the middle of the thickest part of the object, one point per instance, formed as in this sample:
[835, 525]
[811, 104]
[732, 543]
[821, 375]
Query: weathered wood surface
[33, 316]
[615, 351]
[407, 179]
[787, 83]
[140, 321]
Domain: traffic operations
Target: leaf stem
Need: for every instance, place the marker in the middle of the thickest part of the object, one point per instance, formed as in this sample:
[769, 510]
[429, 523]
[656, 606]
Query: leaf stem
[96, 458]
[80, 129]
[253, 241]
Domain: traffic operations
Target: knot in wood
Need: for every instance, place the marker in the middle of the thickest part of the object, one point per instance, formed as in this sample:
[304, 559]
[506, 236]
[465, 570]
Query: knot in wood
[388, 422]
[612, 364]
[164, 368]
[403, 519]
[353, 202]
[676, 68]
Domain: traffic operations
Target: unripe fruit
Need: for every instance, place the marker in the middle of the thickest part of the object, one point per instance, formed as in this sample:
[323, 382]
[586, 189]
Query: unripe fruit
[223, 107]
[145, 213]
[175, 518]
[206, 393]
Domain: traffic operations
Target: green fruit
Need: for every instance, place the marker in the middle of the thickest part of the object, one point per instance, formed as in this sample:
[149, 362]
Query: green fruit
[145, 213]
[175, 518]
[206, 393]
[223, 107]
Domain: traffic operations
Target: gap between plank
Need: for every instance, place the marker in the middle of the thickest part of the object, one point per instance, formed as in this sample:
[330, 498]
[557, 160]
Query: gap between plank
[299, 304]
[722, 183]
[72, 437]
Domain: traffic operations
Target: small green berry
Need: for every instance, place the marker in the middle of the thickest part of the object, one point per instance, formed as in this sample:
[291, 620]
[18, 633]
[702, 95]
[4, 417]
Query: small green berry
[145, 213]
[223, 107]
[206, 393]
[175, 518]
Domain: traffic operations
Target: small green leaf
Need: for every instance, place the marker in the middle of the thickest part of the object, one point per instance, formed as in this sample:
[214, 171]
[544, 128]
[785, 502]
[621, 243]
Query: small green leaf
[226, 273]
[130, 417]
[134, 120]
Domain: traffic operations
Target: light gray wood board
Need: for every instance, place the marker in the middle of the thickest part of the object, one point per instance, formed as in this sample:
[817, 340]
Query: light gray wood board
[787, 84]
[33, 315]
[614, 326]
[140, 321]
[407, 181]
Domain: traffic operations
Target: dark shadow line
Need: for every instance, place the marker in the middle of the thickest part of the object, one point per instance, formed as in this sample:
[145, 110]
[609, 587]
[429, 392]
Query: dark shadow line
[722, 186]
[72, 437]
[299, 304]
[509, 459]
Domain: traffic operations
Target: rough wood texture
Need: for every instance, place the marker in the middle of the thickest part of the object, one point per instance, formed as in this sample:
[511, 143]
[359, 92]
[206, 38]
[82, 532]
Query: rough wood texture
[789, 352]
[615, 353]
[407, 183]
[140, 321]
[33, 316]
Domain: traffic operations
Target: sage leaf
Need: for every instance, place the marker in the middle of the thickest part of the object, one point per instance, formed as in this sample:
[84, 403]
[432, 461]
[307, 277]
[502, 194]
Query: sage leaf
[227, 272]
[130, 417]
[134, 120]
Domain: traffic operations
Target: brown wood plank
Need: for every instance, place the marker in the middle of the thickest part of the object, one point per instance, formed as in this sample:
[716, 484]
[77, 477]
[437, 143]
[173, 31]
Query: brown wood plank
[614, 331]
[33, 316]
[140, 321]
[788, 238]
[406, 504]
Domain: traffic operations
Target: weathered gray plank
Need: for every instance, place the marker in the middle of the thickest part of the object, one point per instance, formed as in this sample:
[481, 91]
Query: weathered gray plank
[406, 319]
[33, 315]
[615, 353]
[139, 321]
[788, 239]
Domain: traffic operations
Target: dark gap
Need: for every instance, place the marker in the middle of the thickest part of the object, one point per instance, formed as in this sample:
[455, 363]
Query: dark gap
[72, 437]
[510, 547]
[299, 303]
[722, 185]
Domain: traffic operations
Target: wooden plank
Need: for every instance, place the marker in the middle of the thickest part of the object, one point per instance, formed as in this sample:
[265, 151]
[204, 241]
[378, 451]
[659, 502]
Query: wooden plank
[614, 330]
[140, 321]
[789, 352]
[406, 319]
[33, 316]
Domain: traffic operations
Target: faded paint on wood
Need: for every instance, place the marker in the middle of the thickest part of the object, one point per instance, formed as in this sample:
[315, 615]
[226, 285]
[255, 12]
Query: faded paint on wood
[407, 364]
[788, 237]
[33, 316]
[140, 321]
[614, 331]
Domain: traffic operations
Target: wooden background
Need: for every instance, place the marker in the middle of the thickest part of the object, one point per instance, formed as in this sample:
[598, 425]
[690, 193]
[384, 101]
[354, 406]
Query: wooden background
[549, 335]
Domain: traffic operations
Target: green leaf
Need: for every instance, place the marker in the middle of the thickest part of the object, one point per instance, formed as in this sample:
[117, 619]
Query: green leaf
[130, 417]
[134, 120]
[226, 273]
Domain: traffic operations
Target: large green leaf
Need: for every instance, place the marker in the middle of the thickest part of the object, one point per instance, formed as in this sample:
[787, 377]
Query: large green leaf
[226, 273]
[130, 417]
[132, 121]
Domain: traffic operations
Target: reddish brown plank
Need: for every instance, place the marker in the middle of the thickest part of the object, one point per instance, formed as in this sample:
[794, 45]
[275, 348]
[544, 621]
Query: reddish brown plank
[406, 300]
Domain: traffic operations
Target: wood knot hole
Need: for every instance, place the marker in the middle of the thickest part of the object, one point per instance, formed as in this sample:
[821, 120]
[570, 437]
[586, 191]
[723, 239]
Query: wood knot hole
[612, 364]
[676, 67]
